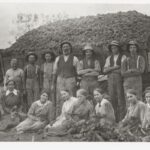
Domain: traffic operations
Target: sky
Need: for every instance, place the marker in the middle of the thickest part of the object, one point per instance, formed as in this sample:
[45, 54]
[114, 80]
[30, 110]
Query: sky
[8, 12]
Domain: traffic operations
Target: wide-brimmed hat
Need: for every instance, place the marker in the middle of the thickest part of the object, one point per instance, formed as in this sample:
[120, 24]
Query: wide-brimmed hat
[48, 52]
[10, 80]
[115, 43]
[31, 53]
[132, 42]
[88, 47]
[102, 78]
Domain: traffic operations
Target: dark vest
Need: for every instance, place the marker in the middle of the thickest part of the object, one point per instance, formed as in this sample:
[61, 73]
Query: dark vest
[66, 69]
[118, 60]
[86, 66]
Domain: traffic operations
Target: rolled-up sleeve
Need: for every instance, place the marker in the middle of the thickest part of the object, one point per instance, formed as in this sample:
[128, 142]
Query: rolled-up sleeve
[75, 62]
[141, 64]
[32, 109]
[55, 65]
[79, 66]
[97, 66]
[123, 58]
[124, 67]
[107, 62]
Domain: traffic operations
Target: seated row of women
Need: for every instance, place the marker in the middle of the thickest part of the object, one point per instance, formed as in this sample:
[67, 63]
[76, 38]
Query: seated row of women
[75, 111]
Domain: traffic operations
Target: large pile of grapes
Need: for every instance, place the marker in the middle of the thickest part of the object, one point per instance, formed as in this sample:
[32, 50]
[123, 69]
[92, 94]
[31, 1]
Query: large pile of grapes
[99, 30]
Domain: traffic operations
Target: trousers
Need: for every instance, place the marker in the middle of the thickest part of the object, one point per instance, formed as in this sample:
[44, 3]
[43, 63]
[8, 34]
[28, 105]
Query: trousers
[116, 93]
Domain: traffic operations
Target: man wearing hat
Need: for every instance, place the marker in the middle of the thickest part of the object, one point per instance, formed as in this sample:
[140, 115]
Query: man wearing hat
[115, 84]
[132, 69]
[89, 69]
[64, 73]
[32, 78]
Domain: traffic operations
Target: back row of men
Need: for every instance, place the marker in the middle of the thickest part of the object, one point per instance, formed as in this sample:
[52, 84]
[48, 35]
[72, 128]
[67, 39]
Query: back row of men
[123, 73]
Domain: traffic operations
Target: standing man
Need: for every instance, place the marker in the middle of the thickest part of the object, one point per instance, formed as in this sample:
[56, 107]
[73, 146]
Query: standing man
[16, 74]
[32, 78]
[115, 83]
[64, 74]
[132, 69]
[89, 69]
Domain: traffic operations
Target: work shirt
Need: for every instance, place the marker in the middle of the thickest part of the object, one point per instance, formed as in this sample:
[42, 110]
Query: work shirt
[47, 70]
[96, 65]
[105, 110]
[82, 111]
[75, 62]
[43, 111]
[130, 63]
[9, 99]
[136, 111]
[107, 63]
[67, 109]
[16, 75]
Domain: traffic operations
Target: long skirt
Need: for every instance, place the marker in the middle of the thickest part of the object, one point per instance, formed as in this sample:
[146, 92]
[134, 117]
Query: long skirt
[30, 125]
[116, 93]
[7, 122]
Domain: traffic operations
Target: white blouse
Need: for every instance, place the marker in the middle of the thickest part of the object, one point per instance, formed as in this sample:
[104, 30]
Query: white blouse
[66, 109]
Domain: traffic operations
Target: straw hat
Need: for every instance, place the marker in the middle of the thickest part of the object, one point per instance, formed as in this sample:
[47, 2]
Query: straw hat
[132, 42]
[88, 47]
[115, 43]
[32, 53]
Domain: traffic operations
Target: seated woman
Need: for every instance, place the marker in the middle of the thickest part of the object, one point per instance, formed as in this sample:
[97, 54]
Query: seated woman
[67, 108]
[10, 106]
[146, 121]
[39, 114]
[103, 109]
[81, 110]
[135, 113]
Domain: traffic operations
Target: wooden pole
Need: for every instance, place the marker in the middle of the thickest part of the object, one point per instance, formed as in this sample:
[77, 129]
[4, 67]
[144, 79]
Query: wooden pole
[2, 66]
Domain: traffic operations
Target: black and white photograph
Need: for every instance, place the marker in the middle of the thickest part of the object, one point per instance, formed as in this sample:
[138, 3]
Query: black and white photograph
[74, 72]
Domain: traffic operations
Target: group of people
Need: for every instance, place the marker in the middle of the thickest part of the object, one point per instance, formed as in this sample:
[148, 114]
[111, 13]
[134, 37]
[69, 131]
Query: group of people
[62, 104]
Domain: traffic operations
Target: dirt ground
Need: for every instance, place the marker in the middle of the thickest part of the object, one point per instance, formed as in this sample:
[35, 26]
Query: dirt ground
[11, 136]
[29, 137]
